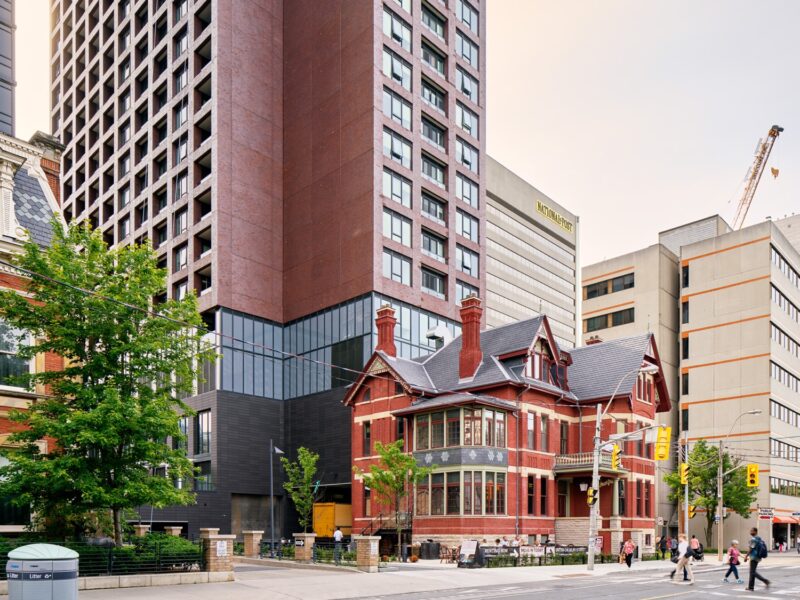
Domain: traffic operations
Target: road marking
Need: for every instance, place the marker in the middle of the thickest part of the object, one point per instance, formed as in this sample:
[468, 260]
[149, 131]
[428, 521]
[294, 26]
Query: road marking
[668, 595]
[516, 587]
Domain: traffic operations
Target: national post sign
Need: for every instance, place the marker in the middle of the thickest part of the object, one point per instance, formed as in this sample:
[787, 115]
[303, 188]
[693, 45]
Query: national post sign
[554, 216]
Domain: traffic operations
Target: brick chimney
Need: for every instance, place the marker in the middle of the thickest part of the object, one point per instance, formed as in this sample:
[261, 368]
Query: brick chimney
[386, 322]
[595, 339]
[471, 354]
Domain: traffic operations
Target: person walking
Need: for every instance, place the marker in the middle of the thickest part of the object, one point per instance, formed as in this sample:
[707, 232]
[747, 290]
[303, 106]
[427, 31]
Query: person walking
[798, 544]
[673, 547]
[685, 561]
[733, 562]
[758, 552]
[627, 549]
[662, 547]
[338, 536]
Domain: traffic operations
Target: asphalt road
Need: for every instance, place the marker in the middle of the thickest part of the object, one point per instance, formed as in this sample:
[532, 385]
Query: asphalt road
[641, 585]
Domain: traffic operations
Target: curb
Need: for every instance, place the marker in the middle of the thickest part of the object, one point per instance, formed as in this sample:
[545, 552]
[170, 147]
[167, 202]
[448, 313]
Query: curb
[290, 564]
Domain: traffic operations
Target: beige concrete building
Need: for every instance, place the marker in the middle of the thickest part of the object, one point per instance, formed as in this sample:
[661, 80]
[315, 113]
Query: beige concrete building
[531, 256]
[740, 351]
[633, 294]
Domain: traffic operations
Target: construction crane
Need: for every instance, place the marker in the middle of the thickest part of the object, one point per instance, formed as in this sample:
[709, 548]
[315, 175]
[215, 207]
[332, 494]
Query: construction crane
[754, 174]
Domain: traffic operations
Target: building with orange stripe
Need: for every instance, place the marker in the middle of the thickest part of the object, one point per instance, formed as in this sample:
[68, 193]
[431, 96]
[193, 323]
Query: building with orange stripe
[740, 352]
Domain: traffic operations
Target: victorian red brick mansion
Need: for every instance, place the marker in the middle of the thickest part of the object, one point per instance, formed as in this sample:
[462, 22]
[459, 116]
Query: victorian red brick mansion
[508, 418]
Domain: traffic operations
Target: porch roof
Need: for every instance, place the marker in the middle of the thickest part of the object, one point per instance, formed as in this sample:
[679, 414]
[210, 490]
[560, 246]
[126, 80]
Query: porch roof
[448, 400]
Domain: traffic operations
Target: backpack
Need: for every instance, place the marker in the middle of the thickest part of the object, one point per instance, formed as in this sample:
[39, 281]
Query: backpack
[761, 549]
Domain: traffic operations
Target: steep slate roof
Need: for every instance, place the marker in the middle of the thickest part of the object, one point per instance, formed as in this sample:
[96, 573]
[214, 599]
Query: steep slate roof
[32, 209]
[597, 369]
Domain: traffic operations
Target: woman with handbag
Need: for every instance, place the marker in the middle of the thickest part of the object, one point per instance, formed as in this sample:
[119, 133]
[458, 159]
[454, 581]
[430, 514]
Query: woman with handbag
[733, 562]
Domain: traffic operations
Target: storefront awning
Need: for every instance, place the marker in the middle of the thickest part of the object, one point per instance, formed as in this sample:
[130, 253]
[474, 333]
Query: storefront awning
[784, 519]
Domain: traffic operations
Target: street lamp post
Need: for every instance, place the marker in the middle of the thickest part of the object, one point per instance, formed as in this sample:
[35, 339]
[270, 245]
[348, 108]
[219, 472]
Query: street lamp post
[273, 450]
[595, 508]
[720, 476]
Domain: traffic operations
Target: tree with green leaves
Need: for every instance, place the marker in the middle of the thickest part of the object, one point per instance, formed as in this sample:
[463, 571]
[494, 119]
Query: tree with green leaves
[703, 465]
[301, 483]
[393, 478]
[108, 411]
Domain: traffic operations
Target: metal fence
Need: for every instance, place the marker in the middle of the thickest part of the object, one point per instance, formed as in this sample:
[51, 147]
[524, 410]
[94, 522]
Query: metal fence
[333, 553]
[149, 554]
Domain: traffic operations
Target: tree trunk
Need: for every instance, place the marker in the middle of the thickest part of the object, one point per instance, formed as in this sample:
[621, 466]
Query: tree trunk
[399, 529]
[709, 527]
[117, 527]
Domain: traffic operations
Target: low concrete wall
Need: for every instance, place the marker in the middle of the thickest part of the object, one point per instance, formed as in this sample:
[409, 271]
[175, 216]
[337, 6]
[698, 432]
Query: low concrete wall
[125, 581]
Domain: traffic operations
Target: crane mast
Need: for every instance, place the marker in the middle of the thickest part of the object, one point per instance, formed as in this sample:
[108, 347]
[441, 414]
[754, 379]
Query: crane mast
[756, 171]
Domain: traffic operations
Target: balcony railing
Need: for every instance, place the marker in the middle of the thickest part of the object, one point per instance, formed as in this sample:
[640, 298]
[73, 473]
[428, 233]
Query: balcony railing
[581, 461]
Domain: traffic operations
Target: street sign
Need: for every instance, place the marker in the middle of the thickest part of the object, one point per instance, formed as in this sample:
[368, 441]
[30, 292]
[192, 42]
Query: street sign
[716, 518]
[598, 542]
[765, 512]
[796, 514]
[660, 521]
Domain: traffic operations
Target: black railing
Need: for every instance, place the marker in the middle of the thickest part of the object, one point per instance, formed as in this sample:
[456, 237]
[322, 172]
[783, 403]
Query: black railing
[155, 553]
[334, 553]
[374, 525]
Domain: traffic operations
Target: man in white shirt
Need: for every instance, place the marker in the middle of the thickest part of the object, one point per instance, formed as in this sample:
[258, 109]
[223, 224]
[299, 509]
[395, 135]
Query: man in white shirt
[684, 559]
[338, 536]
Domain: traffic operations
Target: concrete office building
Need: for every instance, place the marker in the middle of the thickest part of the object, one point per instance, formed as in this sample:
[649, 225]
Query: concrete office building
[638, 293]
[7, 78]
[531, 256]
[296, 164]
[740, 351]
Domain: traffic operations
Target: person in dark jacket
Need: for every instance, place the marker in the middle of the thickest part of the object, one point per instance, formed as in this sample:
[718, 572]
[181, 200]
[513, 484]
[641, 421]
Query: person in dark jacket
[754, 557]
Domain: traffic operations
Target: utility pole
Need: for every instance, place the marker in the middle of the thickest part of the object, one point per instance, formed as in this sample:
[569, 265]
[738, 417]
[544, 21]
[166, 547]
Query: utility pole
[596, 487]
[271, 503]
[686, 485]
[719, 505]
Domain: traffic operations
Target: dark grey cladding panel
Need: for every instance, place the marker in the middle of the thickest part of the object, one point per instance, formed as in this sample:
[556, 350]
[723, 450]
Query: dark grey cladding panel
[448, 457]
[31, 207]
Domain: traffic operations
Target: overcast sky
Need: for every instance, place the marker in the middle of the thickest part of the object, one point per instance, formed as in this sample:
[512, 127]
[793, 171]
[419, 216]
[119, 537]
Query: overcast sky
[636, 115]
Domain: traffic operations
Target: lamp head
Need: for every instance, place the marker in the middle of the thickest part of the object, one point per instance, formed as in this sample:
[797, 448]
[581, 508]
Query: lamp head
[649, 370]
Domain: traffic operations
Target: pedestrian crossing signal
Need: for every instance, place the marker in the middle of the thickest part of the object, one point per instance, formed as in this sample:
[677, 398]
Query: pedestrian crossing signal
[615, 457]
[662, 443]
[591, 496]
[752, 475]
[684, 473]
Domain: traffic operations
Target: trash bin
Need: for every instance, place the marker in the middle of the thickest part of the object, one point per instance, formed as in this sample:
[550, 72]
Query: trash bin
[42, 572]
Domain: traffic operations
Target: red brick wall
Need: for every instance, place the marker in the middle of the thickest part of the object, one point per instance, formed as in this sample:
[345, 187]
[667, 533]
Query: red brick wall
[51, 169]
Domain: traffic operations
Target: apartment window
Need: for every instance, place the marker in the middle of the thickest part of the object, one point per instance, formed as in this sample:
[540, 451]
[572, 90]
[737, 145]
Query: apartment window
[433, 283]
[437, 494]
[181, 148]
[396, 267]
[180, 256]
[203, 481]
[125, 164]
[433, 133]
[124, 228]
[466, 225]
[685, 348]
[545, 434]
[142, 213]
[433, 208]
[622, 317]
[396, 227]
[453, 499]
[10, 364]
[467, 155]
[467, 119]
[564, 439]
[531, 494]
[434, 22]
[125, 102]
[433, 58]
[684, 419]
[181, 221]
[684, 384]
[180, 185]
[181, 112]
[405, 4]
[181, 43]
[467, 49]
[367, 447]
[180, 290]
[467, 84]
[685, 276]
[685, 311]
[179, 443]
[397, 148]
[422, 432]
[596, 323]
[464, 289]
[397, 68]
[181, 77]
[467, 15]
[125, 70]
[595, 290]
[433, 245]
[467, 190]
[433, 170]
[397, 29]
[397, 188]
[396, 108]
[434, 96]
[623, 282]
[543, 496]
[124, 196]
[466, 261]
[181, 8]
[202, 432]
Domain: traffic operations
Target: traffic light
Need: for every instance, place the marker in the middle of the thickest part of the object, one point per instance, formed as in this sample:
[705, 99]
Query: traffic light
[662, 443]
[684, 473]
[591, 496]
[691, 511]
[752, 475]
[615, 457]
